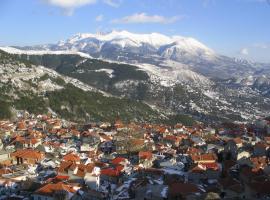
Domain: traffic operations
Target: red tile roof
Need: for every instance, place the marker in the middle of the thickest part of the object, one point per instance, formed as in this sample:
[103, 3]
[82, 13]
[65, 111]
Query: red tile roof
[112, 171]
[71, 157]
[118, 160]
[50, 189]
[204, 158]
[145, 155]
[28, 153]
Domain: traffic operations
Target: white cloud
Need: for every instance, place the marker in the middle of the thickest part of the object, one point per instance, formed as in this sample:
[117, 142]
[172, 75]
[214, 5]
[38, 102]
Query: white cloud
[261, 46]
[99, 18]
[141, 18]
[113, 3]
[70, 3]
[244, 51]
[68, 6]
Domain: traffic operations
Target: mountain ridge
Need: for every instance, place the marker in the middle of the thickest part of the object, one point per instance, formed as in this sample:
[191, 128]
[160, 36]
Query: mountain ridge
[182, 77]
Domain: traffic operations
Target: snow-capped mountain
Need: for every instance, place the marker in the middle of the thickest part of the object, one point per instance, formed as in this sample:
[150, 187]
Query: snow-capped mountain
[147, 44]
[153, 48]
[176, 73]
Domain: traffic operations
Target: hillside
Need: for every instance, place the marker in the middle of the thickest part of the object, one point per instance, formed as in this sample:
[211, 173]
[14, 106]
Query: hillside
[171, 89]
[38, 90]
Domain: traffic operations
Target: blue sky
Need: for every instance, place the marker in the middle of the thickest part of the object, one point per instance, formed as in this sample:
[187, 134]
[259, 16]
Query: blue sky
[239, 28]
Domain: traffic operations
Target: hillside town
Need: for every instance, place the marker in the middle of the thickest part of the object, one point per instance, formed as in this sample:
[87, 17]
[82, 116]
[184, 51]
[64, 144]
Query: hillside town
[44, 158]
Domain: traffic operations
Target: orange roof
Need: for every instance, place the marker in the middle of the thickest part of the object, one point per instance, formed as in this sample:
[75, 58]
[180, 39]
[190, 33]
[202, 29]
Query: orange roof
[71, 157]
[50, 189]
[31, 141]
[118, 160]
[146, 155]
[112, 171]
[213, 166]
[28, 153]
[5, 171]
[193, 150]
[21, 125]
[172, 138]
[64, 166]
[137, 142]
[204, 157]
[75, 132]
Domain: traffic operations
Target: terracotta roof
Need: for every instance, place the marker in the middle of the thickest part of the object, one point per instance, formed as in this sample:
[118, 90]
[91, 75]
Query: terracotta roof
[28, 153]
[71, 157]
[204, 157]
[112, 171]
[137, 142]
[212, 166]
[192, 150]
[50, 189]
[172, 138]
[146, 155]
[5, 171]
[58, 178]
[21, 125]
[118, 160]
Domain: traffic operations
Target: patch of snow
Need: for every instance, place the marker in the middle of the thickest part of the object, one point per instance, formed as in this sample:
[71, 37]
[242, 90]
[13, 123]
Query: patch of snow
[107, 71]
[13, 50]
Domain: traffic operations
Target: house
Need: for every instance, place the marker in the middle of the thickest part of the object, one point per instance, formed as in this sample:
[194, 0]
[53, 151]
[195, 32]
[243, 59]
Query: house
[92, 178]
[27, 156]
[71, 157]
[21, 126]
[120, 161]
[54, 191]
[172, 140]
[204, 171]
[204, 158]
[146, 159]
[111, 174]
